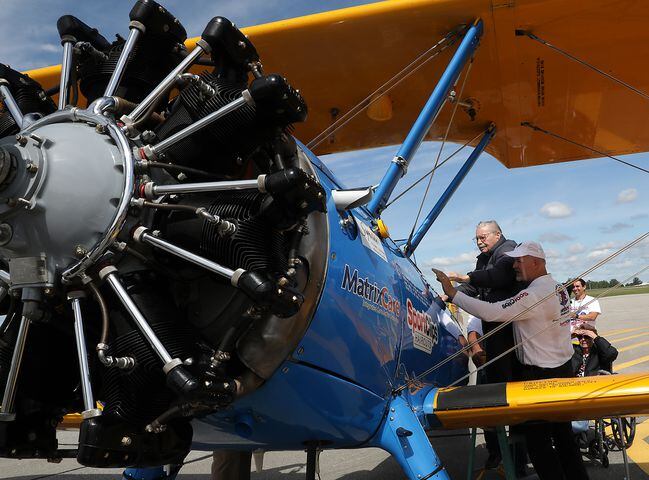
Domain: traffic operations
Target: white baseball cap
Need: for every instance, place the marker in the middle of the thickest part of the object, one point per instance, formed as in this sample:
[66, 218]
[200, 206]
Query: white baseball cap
[532, 249]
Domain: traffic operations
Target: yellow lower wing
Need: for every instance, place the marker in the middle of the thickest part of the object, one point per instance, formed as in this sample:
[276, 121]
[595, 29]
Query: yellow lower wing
[553, 400]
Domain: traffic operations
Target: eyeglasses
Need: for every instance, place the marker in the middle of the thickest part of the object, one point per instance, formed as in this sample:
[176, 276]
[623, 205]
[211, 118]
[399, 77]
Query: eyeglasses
[481, 238]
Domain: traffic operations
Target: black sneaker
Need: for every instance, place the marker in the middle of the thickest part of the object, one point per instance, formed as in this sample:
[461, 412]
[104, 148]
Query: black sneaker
[493, 460]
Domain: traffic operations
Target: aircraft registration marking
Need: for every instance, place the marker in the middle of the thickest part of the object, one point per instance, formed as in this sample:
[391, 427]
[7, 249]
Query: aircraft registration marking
[556, 383]
[371, 240]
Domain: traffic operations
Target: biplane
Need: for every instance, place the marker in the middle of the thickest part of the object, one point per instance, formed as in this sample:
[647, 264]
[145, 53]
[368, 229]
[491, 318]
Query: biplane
[173, 246]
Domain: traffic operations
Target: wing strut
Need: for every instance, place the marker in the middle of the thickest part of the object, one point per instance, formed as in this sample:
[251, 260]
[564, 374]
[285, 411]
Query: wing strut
[399, 164]
[450, 190]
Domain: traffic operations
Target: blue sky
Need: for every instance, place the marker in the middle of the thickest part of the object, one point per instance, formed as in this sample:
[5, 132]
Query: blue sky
[580, 211]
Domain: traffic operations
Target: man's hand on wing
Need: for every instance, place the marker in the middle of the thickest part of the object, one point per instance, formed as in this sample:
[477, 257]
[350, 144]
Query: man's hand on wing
[447, 286]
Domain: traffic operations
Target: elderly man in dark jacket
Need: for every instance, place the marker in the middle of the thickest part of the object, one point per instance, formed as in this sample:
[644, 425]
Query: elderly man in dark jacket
[492, 280]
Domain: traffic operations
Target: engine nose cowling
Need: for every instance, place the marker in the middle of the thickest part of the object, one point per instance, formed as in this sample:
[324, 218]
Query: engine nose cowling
[61, 189]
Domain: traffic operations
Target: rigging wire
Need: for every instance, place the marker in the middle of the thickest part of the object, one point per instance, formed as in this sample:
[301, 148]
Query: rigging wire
[582, 62]
[450, 38]
[603, 154]
[431, 171]
[552, 324]
[504, 324]
[439, 153]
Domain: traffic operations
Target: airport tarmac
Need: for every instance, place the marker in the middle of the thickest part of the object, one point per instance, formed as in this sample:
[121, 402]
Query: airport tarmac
[624, 322]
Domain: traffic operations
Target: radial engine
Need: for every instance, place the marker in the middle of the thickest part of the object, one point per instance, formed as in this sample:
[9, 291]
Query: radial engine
[161, 237]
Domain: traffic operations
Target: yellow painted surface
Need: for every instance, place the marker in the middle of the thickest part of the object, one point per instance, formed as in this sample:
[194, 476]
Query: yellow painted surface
[613, 333]
[559, 399]
[639, 451]
[632, 346]
[71, 420]
[631, 337]
[338, 58]
[621, 366]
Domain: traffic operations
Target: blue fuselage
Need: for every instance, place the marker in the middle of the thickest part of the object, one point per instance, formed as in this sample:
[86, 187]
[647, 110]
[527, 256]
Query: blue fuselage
[376, 326]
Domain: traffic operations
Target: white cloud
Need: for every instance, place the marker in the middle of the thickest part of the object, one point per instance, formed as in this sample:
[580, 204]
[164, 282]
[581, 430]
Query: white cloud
[615, 227]
[556, 210]
[553, 237]
[628, 195]
[463, 258]
[576, 248]
[552, 254]
[599, 253]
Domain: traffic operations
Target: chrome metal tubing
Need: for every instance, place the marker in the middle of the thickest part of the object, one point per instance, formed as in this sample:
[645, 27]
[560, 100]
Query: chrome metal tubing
[125, 201]
[141, 235]
[10, 103]
[66, 69]
[203, 122]
[133, 35]
[164, 85]
[205, 187]
[134, 311]
[5, 277]
[8, 398]
[84, 370]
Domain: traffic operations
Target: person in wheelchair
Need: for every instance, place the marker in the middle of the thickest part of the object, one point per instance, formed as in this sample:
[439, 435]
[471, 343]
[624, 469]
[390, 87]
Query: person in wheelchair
[593, 353]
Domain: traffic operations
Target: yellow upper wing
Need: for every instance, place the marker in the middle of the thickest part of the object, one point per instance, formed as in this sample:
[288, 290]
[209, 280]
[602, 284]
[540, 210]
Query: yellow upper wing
[337, 58]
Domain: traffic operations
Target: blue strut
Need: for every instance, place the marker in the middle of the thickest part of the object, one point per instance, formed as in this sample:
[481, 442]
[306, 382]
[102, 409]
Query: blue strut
[400, 163]
[402, 435]
[450, 190]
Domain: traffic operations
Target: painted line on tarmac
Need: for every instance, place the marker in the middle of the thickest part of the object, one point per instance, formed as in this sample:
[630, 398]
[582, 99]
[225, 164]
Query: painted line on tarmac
[644, 334]
[621, 330]
[622, 366]
[632, 346]
[639, 451]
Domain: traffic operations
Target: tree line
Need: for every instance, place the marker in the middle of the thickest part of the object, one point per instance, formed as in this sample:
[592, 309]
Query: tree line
[611, 283]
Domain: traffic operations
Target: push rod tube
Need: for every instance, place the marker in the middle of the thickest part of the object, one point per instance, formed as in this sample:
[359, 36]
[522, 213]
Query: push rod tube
[152, 190]
[166, 84]
[7, 414]
[152, 152]
[66, 68]
[142, 234]
[10, 102]
[450, 190]
[90, 409]
[110, 275]
[135, 30]
[427, 116]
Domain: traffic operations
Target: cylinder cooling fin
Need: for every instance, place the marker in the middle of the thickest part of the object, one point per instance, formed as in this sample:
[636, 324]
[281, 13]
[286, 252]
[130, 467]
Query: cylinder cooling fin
[160, 227]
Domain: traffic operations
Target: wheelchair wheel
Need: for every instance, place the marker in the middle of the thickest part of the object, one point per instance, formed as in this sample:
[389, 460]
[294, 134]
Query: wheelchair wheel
[605, 462]
[598, 450]
[624, 437]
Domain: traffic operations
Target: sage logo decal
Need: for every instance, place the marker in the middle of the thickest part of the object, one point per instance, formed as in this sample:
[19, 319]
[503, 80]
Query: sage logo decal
[513, 300]
[375, 297]
[424, 330]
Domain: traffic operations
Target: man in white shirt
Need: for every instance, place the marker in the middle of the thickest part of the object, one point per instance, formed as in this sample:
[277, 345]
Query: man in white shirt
[540, 316]
[583, 308]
